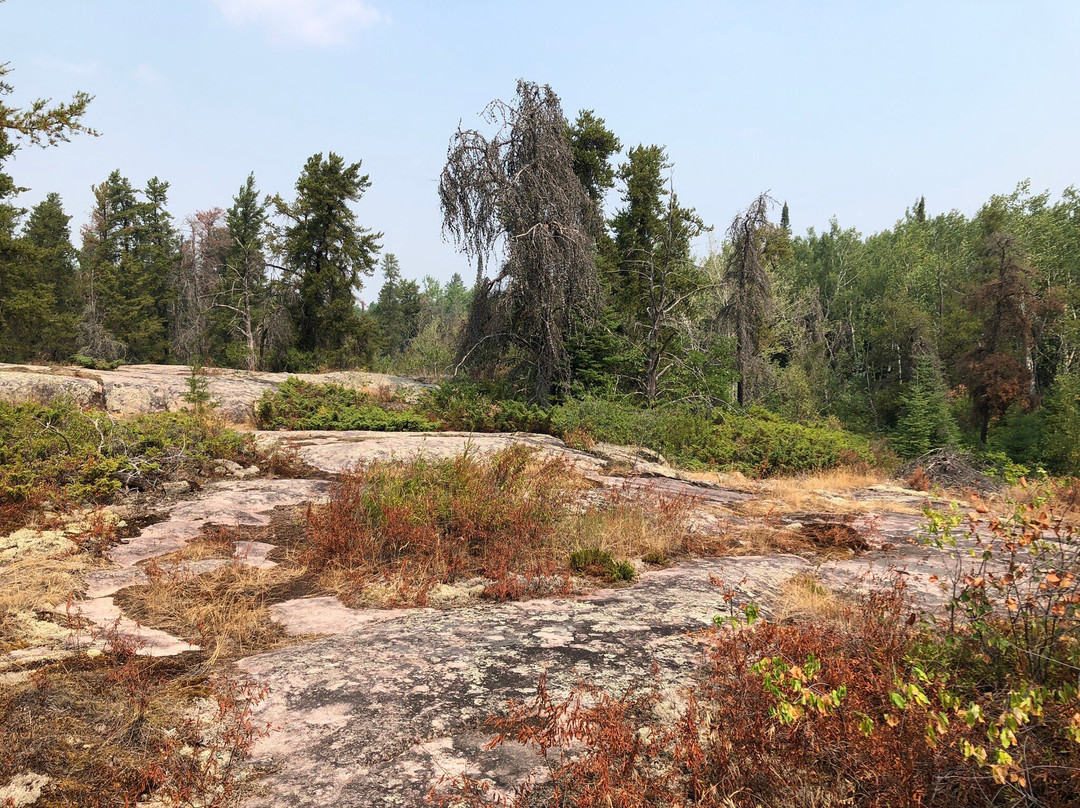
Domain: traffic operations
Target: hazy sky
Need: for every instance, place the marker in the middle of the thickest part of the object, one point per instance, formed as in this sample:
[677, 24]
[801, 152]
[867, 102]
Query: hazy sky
[850, 109]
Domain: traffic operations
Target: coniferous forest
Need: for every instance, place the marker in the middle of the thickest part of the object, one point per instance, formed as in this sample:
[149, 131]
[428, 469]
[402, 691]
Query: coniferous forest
[945, 329]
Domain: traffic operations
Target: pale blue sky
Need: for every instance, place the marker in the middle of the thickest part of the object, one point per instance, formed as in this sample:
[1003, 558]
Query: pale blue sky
[850, 109]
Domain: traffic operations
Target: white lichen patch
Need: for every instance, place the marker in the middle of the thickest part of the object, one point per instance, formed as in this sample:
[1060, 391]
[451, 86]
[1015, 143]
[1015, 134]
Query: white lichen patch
[31, 542]
[23, 789]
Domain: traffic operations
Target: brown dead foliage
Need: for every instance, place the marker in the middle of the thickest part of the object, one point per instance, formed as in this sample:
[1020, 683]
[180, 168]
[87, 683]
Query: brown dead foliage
[395, 531]
[109, 732]
[787, 715]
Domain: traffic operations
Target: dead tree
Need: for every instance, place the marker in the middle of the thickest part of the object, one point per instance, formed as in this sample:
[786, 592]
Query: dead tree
[749, 288]
[514, 196]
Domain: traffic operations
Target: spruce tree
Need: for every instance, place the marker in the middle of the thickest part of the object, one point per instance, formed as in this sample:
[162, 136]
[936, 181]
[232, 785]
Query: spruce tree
[107, 263]
[129, 262]
[593, 145]
[27, 299]
[925, 421]
[48, 234]
[655, 281]
[158, 254]
[244, 293]
[326, 255]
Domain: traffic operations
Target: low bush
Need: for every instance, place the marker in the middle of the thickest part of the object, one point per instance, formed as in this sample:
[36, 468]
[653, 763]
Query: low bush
[469, 406]
[516, 521]
[57, 451]
[425, 522]
[596, 561]
[298, 404]
[755, 442]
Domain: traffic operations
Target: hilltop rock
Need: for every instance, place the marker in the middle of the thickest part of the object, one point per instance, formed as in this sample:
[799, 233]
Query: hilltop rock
[138, 389]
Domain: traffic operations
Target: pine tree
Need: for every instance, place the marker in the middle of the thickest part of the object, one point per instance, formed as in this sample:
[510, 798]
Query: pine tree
[999, 369]
[243, 291]
[785, 218]
[326, 255]
[925, 421]
[27, 298]
[49, 235]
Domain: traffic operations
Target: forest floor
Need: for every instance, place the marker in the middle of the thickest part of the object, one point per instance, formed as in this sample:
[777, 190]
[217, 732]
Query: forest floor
[378, 706]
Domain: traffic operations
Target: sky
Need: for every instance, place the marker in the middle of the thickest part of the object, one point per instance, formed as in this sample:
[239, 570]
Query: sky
[845, 109]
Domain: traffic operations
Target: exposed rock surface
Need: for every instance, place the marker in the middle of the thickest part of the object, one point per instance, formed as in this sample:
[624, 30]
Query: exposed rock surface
[389, 702]
[23, 790]
[334, 452]
[379, 713]
[138, 389]
[226, 503]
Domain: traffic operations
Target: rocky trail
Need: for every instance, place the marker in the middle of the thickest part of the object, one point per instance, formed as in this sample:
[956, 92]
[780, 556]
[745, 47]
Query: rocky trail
[383, 704]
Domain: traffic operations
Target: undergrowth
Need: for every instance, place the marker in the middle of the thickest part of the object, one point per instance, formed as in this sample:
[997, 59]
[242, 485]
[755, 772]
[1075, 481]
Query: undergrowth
[845, 702]
[511, 523]
[298, 404]
[58, 453]
[113, 729]
[755, 441]
[426, 522]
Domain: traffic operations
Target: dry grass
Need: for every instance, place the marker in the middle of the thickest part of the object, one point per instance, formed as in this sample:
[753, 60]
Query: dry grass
[653, 528]
[831, 490]
[41, 583]
[213, 542]
[30, 589]
[804, 598]
[114, 730]
[225, 610]
[764, 539]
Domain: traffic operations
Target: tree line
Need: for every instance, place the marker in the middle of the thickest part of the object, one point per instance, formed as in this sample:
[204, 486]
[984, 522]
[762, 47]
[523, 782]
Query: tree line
[941, 329]
[268, 283]
[938, 330]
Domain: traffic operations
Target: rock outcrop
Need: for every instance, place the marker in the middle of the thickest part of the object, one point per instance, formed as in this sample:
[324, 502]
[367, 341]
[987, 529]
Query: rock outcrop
[138, 389]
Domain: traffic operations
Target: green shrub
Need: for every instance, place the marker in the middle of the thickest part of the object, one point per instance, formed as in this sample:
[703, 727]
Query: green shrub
[57, 450]
[622, 571]
[1060, 434]
[585, 557]
[755, 442]
[592, 558]
[93, 363]
[299, 404]
[469, 406]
